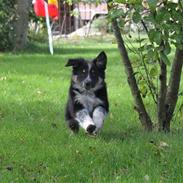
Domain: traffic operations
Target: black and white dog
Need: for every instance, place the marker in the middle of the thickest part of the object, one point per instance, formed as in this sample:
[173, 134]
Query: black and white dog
[87, 104]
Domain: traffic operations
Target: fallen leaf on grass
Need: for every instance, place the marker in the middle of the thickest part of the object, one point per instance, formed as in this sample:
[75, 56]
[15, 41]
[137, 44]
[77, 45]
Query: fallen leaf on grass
[146, 177]
[39, 92]
[9, 168]
[3, 78]
[163, 144]
[54, 125]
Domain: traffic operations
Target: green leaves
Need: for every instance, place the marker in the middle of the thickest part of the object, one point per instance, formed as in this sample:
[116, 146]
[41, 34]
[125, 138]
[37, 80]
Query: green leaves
[115, 14]
[153, 72]
[134, 2]
[7, 9]
[152, 55]
[177, 15]
[152, 4]
[162, 15]
[163, 22]
[136, 17]
[155, 36]
[164, 58]
[167, 48]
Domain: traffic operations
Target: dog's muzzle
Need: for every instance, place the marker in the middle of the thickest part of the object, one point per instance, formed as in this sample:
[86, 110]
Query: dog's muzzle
[90, 129]
[88, 85]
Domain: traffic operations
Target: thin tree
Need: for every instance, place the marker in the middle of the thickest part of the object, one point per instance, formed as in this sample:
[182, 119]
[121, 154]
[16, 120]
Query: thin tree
[166, 27]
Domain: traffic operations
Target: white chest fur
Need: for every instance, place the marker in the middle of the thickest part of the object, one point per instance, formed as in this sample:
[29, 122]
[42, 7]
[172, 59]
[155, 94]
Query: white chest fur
[88, 100]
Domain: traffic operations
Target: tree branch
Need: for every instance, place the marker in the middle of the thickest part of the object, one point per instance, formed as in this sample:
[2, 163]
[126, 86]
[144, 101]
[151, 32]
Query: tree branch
[148, 80]
[162, 95]
[173, 87]
[145, 27]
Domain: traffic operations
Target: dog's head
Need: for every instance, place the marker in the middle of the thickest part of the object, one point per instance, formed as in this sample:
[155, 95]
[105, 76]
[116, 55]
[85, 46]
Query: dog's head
[87, 74]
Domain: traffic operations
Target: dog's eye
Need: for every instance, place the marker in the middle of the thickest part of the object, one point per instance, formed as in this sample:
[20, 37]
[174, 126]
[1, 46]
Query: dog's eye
[83, 70]
[93, 71]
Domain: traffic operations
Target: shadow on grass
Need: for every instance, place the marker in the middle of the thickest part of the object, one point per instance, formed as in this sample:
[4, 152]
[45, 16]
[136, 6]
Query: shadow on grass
[50, 113]
[34, 48]
[133, 133]
[123, 135]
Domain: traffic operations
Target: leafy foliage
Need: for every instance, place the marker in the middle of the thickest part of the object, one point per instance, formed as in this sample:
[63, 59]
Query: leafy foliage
[102, 24]
[37, 31]
[7, 15]
[163, 25]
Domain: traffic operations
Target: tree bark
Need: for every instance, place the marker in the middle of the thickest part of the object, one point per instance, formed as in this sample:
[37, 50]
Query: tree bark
[162, 95]
[139, 105]
[173, 88]
[21, 24]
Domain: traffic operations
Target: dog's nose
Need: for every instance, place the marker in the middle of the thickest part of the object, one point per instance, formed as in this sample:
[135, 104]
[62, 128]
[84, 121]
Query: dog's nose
[90, 129]
[88, 85]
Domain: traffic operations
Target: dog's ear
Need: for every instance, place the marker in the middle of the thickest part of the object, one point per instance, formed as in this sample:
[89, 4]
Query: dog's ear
[101, 60]
[73, 62]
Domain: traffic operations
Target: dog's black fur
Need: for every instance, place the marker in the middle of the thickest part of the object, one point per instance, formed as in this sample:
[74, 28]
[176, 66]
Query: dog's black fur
[87, 102]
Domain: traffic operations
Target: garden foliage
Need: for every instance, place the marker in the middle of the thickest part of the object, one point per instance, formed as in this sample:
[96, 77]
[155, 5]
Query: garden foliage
[7, 16]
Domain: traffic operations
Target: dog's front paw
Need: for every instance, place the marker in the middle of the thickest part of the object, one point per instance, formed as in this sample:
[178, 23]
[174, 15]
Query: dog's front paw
[74, 126]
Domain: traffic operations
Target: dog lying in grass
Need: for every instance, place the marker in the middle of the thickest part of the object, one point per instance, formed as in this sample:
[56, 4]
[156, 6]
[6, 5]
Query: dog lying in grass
[87, 104]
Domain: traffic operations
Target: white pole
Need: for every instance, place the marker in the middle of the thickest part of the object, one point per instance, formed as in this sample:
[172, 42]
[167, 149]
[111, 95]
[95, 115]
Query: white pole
[48, 28]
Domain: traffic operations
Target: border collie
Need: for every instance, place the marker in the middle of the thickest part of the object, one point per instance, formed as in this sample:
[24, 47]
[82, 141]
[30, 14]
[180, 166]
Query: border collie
[87, 104]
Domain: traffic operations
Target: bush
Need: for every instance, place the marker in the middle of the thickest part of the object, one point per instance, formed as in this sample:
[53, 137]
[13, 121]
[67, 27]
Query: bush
[7, 17]
[102, 24]
[37, 31]
[41, 36]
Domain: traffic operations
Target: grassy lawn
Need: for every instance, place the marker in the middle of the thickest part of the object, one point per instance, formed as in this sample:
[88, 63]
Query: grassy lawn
[36, 146]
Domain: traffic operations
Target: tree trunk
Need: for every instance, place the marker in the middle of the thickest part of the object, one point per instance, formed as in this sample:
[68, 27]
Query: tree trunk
[139, 105]
[162, 95]
[21, 24]
[173, 88]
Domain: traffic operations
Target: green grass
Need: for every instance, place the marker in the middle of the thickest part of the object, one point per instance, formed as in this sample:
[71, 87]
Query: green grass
[35, 144]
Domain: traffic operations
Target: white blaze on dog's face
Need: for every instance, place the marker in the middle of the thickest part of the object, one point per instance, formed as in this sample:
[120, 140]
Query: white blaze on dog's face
[88, 74]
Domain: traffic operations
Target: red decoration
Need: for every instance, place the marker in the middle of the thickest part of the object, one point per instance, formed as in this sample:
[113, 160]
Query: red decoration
[39, 8]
